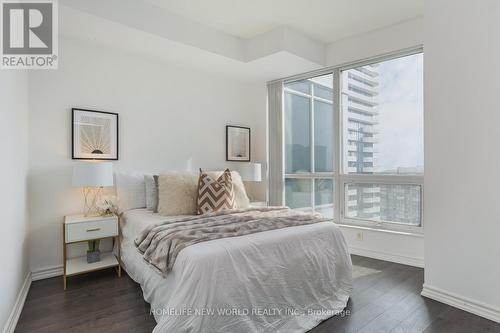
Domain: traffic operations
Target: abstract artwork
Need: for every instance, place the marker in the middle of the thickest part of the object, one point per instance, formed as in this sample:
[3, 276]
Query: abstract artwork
[94, 135]
[237, 143]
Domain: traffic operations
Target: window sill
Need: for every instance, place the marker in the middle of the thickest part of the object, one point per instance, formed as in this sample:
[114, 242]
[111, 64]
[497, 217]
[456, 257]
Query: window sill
[381, 229]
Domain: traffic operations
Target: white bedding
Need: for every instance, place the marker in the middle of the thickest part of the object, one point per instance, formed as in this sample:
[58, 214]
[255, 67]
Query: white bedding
[285, 280]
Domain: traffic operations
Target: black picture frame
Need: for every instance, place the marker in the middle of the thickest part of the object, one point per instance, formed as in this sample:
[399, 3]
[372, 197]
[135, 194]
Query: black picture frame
[229, 156]
[75, 156]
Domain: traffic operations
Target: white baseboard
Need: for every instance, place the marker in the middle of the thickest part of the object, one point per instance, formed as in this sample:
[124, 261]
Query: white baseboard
[47, 272]
[464, 303]
[11, 323]
[410, 261]
[39, 274]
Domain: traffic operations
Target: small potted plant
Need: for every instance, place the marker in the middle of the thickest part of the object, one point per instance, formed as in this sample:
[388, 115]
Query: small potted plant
[93, 253]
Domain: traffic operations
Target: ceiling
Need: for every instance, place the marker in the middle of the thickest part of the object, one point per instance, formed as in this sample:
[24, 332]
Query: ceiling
[249, 40]
[323, 20]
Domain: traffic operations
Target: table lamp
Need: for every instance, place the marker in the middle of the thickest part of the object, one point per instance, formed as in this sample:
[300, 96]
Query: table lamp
[92, 177]
[250, 172]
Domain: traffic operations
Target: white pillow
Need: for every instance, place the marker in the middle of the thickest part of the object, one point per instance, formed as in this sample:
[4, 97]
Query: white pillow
[131, 191]
[177, 192]
[240, 194]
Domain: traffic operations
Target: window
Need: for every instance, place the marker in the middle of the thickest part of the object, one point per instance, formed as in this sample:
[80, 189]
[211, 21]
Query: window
[309, 144]
[353, 141]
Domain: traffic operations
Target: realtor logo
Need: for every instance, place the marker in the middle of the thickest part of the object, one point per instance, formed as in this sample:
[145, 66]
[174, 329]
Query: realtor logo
[29, 34]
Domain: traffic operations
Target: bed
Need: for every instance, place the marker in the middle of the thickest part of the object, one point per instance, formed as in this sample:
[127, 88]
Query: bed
[285, 280]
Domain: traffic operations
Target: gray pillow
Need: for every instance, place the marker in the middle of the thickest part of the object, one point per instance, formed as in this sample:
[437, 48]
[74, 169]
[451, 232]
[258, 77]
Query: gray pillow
[151, 182]
[155, 206]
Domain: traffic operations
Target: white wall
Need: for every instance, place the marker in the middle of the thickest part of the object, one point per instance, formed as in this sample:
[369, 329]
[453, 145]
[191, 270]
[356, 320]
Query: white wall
[462, 163]
[13, 183]
[377, 42]
[171, 117]
[403, 248]
[396, 247]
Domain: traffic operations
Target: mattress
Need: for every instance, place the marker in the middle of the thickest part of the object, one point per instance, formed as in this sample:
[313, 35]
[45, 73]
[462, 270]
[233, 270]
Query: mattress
[286, 280]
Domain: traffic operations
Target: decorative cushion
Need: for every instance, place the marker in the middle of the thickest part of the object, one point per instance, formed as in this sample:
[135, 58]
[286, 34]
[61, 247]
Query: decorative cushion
[177, 193]
[240, 195]
[215, 194]
[151, 192]
[130, 190]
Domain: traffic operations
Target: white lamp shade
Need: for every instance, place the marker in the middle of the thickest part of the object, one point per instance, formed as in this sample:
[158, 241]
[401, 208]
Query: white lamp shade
[93, 174]
[250, 172]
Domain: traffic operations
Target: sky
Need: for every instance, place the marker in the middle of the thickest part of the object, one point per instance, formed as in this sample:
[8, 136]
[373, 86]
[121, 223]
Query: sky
[401, 113]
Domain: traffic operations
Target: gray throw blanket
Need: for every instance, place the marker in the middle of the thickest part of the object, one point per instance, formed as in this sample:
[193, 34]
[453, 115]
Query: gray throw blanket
[161, 243]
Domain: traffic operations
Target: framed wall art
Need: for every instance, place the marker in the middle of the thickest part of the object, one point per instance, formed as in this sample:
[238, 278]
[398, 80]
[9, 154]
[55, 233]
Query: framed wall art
[237, 143]
[94, 135]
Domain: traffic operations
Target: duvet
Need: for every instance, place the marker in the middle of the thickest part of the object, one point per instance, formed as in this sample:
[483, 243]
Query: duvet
[286, 279]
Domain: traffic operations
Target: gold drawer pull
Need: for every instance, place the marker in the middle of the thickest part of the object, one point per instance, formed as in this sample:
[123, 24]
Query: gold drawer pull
[95, 229]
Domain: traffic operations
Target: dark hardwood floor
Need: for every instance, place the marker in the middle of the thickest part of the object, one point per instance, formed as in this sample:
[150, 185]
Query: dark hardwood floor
[386, 298]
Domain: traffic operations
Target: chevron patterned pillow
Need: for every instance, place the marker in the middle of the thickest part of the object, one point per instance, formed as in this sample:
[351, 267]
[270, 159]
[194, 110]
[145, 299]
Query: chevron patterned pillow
[215, 194]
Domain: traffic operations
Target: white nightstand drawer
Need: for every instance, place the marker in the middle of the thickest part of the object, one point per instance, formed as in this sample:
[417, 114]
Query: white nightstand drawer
[91, 230]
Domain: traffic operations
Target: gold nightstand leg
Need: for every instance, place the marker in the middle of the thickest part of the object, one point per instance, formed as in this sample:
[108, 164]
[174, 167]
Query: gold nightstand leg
[64, 255]
[118, 239]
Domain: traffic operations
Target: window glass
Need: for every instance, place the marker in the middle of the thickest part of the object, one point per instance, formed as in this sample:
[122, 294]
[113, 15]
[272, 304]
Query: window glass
[298, 193]
[384, 202]
[297, 134]
[303, 86]
[382, 106]
[323, 196]
[324, 90]
[323, 137]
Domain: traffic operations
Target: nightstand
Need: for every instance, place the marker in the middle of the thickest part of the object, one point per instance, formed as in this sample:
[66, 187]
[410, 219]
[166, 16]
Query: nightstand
[78, 228]
[258, 204]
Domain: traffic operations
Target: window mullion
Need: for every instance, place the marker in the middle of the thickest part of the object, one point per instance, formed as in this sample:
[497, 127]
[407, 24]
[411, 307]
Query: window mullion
[311, 131]
[337, 127]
